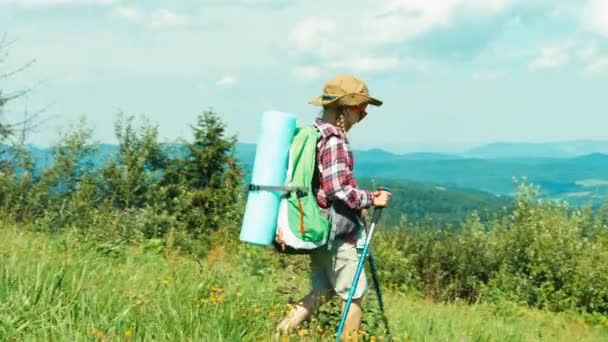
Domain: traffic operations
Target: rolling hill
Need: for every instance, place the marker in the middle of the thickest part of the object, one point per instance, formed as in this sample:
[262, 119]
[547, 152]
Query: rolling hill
[579, 180]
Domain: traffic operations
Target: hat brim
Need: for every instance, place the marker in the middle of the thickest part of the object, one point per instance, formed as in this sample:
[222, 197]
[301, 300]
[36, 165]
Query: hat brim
[347, 100]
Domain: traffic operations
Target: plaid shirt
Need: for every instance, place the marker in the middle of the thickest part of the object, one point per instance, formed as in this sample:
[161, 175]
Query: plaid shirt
[335, 162]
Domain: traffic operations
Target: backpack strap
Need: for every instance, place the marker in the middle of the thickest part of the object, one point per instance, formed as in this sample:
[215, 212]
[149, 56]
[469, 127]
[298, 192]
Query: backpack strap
[300, 190]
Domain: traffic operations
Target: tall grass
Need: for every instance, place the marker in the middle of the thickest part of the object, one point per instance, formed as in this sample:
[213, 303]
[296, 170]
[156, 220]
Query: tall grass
[60, 288]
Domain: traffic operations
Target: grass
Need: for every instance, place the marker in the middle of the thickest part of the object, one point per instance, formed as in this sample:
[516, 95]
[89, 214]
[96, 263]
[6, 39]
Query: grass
[59, 288]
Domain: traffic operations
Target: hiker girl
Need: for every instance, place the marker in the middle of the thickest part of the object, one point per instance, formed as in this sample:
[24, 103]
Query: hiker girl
[344, 101]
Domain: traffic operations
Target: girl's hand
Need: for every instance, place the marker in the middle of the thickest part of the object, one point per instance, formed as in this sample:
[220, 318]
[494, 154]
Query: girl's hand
[381, 199]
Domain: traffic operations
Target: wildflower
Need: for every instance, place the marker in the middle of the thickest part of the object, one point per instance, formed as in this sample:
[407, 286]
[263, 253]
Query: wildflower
[165, 282]
[129, 333]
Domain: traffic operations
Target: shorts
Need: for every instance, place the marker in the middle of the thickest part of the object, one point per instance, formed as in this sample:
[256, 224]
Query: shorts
[334, 270]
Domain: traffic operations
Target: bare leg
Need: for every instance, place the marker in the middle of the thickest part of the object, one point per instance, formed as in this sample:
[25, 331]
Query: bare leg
[353, 320]
[301, 312]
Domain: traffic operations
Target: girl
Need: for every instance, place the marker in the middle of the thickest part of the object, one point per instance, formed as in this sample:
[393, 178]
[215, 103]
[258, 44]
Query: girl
[344, 100]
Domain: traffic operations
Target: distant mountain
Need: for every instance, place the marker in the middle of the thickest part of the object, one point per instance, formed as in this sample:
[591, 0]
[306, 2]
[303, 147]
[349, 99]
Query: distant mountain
[374, 155]
[586, 176]
[246, 153]
[443, 205]
[567, 149]
[429, 156]
[577, 179]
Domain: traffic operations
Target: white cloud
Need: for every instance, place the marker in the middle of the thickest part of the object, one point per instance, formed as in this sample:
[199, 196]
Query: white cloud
[551, 57]
[130, 13]
[598, 65]
[306, 73]
[160, 18]
[164, 18]
[329, 42]
[401, 20]
[489, 75]
[259, 2]
[39, 4]
[588, 52]
[367, 63]
[332, 41]
[595, 16]
[227, 81]
[266, 4]
[316, 36]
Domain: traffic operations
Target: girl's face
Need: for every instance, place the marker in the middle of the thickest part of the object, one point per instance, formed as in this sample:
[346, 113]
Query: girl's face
[353, 115]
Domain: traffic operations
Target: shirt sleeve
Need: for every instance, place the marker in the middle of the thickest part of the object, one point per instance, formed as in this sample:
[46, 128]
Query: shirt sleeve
[337, 178]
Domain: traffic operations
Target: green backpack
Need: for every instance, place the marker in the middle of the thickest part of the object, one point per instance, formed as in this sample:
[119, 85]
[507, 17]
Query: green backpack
[302, 226]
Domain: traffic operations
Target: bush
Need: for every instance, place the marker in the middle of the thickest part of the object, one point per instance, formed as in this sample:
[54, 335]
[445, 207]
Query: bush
[543, 255]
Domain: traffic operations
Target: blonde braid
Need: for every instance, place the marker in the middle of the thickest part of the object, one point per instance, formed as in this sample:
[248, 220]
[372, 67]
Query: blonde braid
[341, 123]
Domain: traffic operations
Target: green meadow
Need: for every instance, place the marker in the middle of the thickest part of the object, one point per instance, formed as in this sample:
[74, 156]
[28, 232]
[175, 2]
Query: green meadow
[57, 288]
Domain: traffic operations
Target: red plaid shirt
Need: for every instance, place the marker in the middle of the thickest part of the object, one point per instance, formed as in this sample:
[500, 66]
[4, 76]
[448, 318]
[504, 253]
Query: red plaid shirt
[335, 162]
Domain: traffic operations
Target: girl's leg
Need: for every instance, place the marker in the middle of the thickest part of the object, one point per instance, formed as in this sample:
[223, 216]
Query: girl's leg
[353, 320]
[302, 311]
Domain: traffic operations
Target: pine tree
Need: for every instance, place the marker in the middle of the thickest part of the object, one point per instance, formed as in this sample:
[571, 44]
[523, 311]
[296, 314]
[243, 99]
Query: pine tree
[207, 179]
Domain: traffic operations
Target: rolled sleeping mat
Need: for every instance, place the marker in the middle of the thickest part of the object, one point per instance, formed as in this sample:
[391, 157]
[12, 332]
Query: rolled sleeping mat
[269, 169]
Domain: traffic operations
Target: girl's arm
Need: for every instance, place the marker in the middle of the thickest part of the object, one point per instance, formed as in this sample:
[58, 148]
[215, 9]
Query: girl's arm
[337, 178]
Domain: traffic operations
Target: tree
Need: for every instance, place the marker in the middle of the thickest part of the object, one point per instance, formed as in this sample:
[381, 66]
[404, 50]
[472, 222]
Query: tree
[206, 180]
[4, 129]
[8, 129]
[130, 177]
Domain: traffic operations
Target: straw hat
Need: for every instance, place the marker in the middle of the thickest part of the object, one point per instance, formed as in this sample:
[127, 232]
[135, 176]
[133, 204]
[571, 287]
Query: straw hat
[345, 90]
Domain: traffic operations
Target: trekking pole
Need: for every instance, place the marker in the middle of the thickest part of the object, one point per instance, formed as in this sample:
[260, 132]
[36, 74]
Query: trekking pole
[351, 293]
[372, 264]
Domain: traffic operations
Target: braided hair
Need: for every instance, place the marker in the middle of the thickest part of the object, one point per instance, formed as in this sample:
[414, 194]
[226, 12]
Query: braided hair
[341, 122]
[340, 118]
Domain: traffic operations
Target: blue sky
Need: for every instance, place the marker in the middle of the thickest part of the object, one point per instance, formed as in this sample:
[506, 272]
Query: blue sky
[452, 73]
